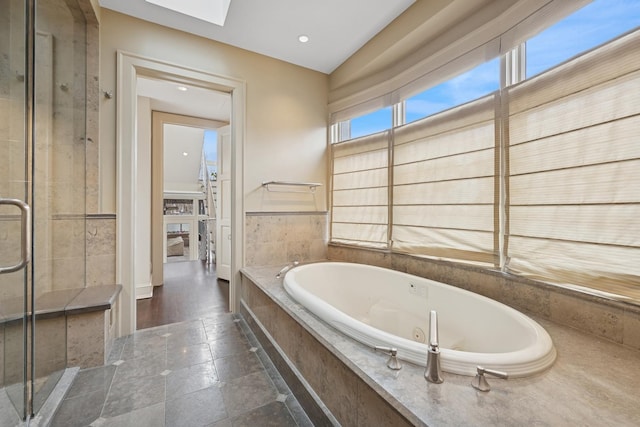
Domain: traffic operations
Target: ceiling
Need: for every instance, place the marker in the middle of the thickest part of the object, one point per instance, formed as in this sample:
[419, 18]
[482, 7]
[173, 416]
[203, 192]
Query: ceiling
[194, 101]
[336, 28]
[182, 158]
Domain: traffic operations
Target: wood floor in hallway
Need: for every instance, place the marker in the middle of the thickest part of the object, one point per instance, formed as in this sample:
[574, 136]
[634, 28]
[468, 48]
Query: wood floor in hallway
[191, 290]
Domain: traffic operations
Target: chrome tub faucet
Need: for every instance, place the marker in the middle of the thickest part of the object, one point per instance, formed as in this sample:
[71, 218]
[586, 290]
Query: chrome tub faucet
[433, 373]
[393, 362]
[286, 268]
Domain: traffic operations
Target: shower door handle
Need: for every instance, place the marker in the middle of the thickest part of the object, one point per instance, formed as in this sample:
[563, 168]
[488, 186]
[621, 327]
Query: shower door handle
[25, 240]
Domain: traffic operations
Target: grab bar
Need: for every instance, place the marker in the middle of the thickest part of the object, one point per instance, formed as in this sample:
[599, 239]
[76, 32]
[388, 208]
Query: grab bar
[25, 245]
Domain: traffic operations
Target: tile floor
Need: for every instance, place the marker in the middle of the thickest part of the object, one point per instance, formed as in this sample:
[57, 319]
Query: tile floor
[205, 372]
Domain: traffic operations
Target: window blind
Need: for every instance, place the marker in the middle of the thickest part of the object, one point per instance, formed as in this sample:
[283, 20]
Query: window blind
[573, 141]
[360, 201]
[444, 184]
[494, 29]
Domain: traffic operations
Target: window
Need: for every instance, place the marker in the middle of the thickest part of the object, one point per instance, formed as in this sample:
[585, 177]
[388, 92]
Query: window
[359, 214]
[574, 157]
[473, 84]
[210, 148]
[538, 178]
[443, 187]
[371, 123]
[591, 26]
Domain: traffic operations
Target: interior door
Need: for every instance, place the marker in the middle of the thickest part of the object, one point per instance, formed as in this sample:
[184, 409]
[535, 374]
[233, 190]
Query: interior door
[223, 207]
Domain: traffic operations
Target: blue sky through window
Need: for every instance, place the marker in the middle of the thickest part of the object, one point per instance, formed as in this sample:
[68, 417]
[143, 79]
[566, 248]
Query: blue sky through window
[593, 25]
[371, 123]
[211, 148]
[475, 83]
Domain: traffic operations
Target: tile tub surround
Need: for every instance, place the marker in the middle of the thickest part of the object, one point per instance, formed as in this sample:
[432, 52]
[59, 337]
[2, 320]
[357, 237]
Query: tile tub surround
[280, 237]
[593, 381]
[617, 321]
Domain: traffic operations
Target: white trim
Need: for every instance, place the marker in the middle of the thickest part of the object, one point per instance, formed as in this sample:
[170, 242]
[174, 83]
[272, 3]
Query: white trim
[144, 291]
[129, 66]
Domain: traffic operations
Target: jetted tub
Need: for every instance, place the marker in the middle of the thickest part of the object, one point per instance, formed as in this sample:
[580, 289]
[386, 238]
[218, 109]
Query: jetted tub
[382, 307]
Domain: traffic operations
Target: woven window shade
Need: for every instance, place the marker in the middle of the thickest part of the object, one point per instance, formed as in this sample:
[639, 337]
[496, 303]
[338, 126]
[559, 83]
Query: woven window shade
[494, 30]
[360, 191]
[573, 141]
[444, 177]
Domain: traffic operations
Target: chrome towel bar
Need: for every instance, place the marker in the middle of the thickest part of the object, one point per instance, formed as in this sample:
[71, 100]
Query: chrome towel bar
[311, 186]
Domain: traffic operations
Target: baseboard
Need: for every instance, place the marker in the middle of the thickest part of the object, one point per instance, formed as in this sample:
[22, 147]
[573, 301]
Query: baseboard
[144, 291]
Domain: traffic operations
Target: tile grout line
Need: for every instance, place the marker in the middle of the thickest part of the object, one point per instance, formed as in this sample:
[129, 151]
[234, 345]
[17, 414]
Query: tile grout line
[106, 395]
[264, 359]
[166, 361]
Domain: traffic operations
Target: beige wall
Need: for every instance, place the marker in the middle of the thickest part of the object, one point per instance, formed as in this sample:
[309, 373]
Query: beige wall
[286, 116]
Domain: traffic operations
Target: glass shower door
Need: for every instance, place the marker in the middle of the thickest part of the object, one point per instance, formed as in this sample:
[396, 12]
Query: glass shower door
[42, 194]
[14, 213]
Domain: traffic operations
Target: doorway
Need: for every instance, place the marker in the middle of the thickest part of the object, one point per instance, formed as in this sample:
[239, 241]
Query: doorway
[182, 204]
[130, 67]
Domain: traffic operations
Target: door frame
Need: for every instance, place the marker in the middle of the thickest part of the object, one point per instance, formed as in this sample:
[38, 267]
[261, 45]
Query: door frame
[129, 67]
[158, 120]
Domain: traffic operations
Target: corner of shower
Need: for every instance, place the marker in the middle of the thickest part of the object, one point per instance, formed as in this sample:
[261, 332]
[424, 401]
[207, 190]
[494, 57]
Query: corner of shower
[43, 87]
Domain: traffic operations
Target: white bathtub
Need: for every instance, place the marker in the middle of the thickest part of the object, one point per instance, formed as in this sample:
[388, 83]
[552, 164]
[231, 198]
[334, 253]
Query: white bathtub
[377, 306]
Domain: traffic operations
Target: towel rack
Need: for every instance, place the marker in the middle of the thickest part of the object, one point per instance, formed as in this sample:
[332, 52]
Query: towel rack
[311, 186]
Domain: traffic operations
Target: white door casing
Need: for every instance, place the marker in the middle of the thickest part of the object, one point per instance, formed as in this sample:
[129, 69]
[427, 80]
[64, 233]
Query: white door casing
[129, 66]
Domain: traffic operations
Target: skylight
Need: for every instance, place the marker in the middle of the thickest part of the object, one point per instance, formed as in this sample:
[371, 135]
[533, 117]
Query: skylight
[214, 11]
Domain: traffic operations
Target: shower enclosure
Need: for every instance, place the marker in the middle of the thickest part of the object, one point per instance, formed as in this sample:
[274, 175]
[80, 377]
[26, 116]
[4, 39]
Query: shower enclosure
[42, 194]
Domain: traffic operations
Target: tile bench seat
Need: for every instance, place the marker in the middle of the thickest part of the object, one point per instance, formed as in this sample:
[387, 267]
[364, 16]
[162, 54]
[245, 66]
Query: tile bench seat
[74, 327]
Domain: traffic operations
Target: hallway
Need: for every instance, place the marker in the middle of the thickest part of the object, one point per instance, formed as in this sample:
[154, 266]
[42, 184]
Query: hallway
[197, 366]
[191, 290]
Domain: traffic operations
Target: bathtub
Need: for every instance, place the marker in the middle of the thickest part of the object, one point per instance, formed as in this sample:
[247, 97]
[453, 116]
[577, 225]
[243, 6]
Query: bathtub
[382, 307]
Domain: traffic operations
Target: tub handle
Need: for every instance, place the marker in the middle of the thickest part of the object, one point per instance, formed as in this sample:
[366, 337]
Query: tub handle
[393, 362]
[480, 382]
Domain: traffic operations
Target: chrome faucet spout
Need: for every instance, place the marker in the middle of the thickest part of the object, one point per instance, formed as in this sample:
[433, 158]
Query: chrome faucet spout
[433, 373]
[286, 268]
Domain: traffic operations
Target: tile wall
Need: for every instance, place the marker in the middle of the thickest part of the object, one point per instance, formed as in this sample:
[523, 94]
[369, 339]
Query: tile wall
[279, 238]
[101, 249]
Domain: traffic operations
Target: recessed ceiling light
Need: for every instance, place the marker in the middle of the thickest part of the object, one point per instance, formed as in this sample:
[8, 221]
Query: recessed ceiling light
[182, 88]
[184, 153]
[303, 38]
